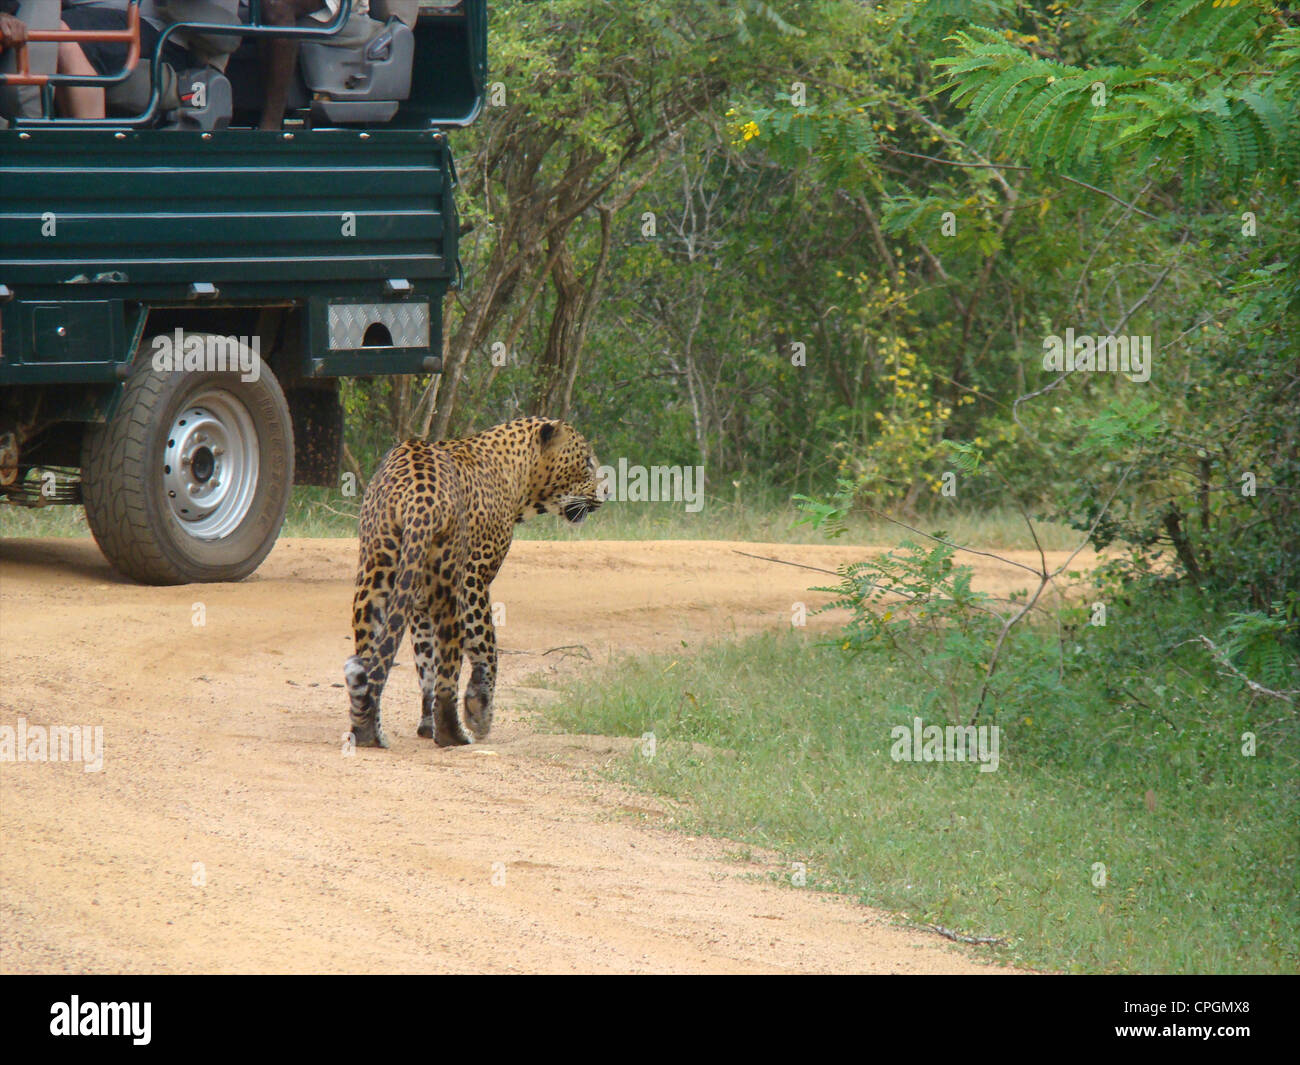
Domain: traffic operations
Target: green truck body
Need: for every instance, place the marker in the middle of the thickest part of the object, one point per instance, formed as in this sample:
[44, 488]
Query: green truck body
[326, 251]
[96, 231]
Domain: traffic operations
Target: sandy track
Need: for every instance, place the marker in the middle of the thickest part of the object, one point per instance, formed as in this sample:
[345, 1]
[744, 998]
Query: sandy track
[223, 747]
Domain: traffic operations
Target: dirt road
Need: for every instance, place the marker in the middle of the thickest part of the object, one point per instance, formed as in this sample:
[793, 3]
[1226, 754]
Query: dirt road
[227, 831]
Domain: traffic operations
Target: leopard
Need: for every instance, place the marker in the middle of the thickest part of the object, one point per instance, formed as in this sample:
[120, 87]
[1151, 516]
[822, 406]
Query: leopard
[436, 523]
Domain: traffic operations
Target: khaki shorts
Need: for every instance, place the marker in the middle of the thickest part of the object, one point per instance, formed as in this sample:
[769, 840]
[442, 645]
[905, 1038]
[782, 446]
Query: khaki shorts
[358, 30]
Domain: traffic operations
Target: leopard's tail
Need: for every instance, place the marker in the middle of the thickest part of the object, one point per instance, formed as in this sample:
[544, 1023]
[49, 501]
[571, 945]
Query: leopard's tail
[366, 675]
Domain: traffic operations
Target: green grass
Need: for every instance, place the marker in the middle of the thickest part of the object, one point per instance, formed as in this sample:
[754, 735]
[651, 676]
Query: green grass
[774, 520]
[42, 521]
[796, 758]
[312, 512]
[318, 512]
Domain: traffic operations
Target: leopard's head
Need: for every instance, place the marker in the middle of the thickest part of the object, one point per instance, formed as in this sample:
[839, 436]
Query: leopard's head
[564, 478]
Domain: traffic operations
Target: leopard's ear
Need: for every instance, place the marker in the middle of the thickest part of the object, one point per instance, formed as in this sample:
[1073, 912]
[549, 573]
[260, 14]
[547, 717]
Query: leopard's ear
[548, 432]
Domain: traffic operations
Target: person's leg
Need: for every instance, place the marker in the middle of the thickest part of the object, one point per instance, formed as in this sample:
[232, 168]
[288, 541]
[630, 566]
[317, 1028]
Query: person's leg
[279, 57]
[108, 58]
[87, 101]
[77, 101]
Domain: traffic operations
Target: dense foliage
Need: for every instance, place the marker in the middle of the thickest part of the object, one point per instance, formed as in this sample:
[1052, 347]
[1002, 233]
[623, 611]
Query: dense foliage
[808, 242]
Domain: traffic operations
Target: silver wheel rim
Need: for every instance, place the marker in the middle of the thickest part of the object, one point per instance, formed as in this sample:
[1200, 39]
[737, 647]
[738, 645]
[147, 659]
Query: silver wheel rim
[210, 465]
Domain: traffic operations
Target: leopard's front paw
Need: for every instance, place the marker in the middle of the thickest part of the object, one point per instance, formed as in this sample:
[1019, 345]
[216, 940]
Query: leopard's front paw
[449, 737]
[439, 720]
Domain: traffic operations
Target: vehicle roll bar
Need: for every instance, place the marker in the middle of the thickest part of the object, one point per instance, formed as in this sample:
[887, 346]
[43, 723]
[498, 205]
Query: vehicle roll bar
[476, 13]
[49, 81]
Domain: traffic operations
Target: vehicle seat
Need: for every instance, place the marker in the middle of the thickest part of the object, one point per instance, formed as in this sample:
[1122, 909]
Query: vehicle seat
[205, 101]
[360, 82]
[196, 98]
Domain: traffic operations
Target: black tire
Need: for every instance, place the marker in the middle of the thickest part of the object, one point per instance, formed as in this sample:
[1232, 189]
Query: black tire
[131, 492]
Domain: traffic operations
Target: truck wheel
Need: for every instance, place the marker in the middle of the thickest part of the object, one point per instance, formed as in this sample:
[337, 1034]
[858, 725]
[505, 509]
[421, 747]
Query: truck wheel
[190, 479]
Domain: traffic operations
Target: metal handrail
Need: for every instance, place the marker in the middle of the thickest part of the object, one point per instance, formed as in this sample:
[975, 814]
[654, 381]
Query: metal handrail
[151, 109]
[253, 29]
[129, 36]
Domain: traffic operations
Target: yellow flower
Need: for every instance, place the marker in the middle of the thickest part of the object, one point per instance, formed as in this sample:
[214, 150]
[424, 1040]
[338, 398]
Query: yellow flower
[749, 130]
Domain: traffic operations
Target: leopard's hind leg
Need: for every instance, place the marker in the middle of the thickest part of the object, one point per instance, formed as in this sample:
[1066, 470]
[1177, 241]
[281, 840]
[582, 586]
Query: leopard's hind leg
[381, 609]
[481, 649]
[436, 636]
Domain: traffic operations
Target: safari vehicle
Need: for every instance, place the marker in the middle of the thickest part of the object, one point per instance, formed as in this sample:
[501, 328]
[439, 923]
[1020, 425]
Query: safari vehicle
[180, 292]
